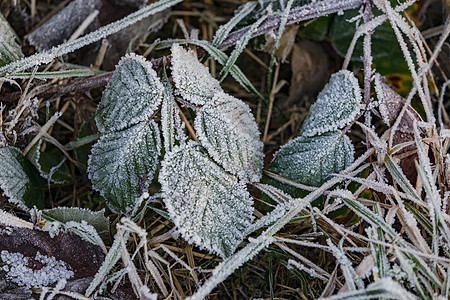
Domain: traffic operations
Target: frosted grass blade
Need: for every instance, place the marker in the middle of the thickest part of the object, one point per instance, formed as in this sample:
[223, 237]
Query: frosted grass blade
[383, 288]
[225, 29]
[240, 46]
[48, 56]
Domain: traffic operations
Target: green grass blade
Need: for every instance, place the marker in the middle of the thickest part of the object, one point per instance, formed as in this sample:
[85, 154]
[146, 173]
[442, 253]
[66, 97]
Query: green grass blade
[399, 177]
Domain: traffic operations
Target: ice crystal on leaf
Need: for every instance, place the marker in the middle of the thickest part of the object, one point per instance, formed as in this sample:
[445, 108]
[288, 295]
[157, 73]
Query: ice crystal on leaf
[133, 94]
[96, 219]
[227, 129]
[193, 81]
[209, 206]
[9, 49]
[49, 165]
[336, 106]
[311, 160]
[17, 267]
[122, 163]
[19, 179]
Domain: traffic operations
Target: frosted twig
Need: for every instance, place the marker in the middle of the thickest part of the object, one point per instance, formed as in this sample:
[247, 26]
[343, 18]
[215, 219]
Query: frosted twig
[438, 47]
[302, 13]
[48, 56]
[417, 82]
[375, 22]
[43, 130]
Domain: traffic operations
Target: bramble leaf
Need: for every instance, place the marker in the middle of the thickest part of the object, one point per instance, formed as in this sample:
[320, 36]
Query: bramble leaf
[336, 106]
[193, 81]
[210, 207]
[228, 131]
[311, 160]
[64, 215]
[49, 165]
[9, 49]
[133, 94]
[122, 163]
[19, 179]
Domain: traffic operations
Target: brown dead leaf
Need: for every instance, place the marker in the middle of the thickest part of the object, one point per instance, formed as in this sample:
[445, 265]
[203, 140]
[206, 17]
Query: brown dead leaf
[310, 71]
[391, 104]
[66, 254]
[61, 26]
[286, 42]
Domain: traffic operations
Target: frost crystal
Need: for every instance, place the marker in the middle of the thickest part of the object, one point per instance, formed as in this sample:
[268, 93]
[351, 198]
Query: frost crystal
[391, 103]
[336, 106]
[9, 49]
[227, 129]
[25, 271]
[210, 207]
[192, 80]
[311, 160]
[133, 94]
[19, 180]
[122, 164]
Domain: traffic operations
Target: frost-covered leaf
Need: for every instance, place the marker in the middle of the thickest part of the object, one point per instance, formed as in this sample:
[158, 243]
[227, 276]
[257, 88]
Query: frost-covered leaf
[122, 164]
[311, 160]
[133, 94]
[32, 258]
[336, 106]
[227, 129]
[49, 165]
[19, 179]
[390, 105]
[9, 49]
[192, 80]
[210, 207]
[64, 215]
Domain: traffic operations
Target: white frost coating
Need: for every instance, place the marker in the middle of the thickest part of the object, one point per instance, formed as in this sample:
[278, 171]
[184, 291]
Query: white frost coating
[210, 207]
[311, 160]
[123, 163]
[8, 219]
[14, 181]
[19, 269]
[133, 94]
[9, 49]
[351, 278]
[226, 128]
[337, 105]
[193, 81]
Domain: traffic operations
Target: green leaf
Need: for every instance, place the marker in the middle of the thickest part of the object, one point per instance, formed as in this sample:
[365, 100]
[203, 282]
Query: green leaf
[210, 207]
[64, 215]
[9, 49]
[318, 29]
[122, 164]
[19, 179]
[311, 160]
[49, 164]
[133, 94]
[337, 105]
[227, 129]
[386, 52]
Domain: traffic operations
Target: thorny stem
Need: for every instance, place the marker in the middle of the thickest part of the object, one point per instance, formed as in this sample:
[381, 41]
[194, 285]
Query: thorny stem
[298, 14]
